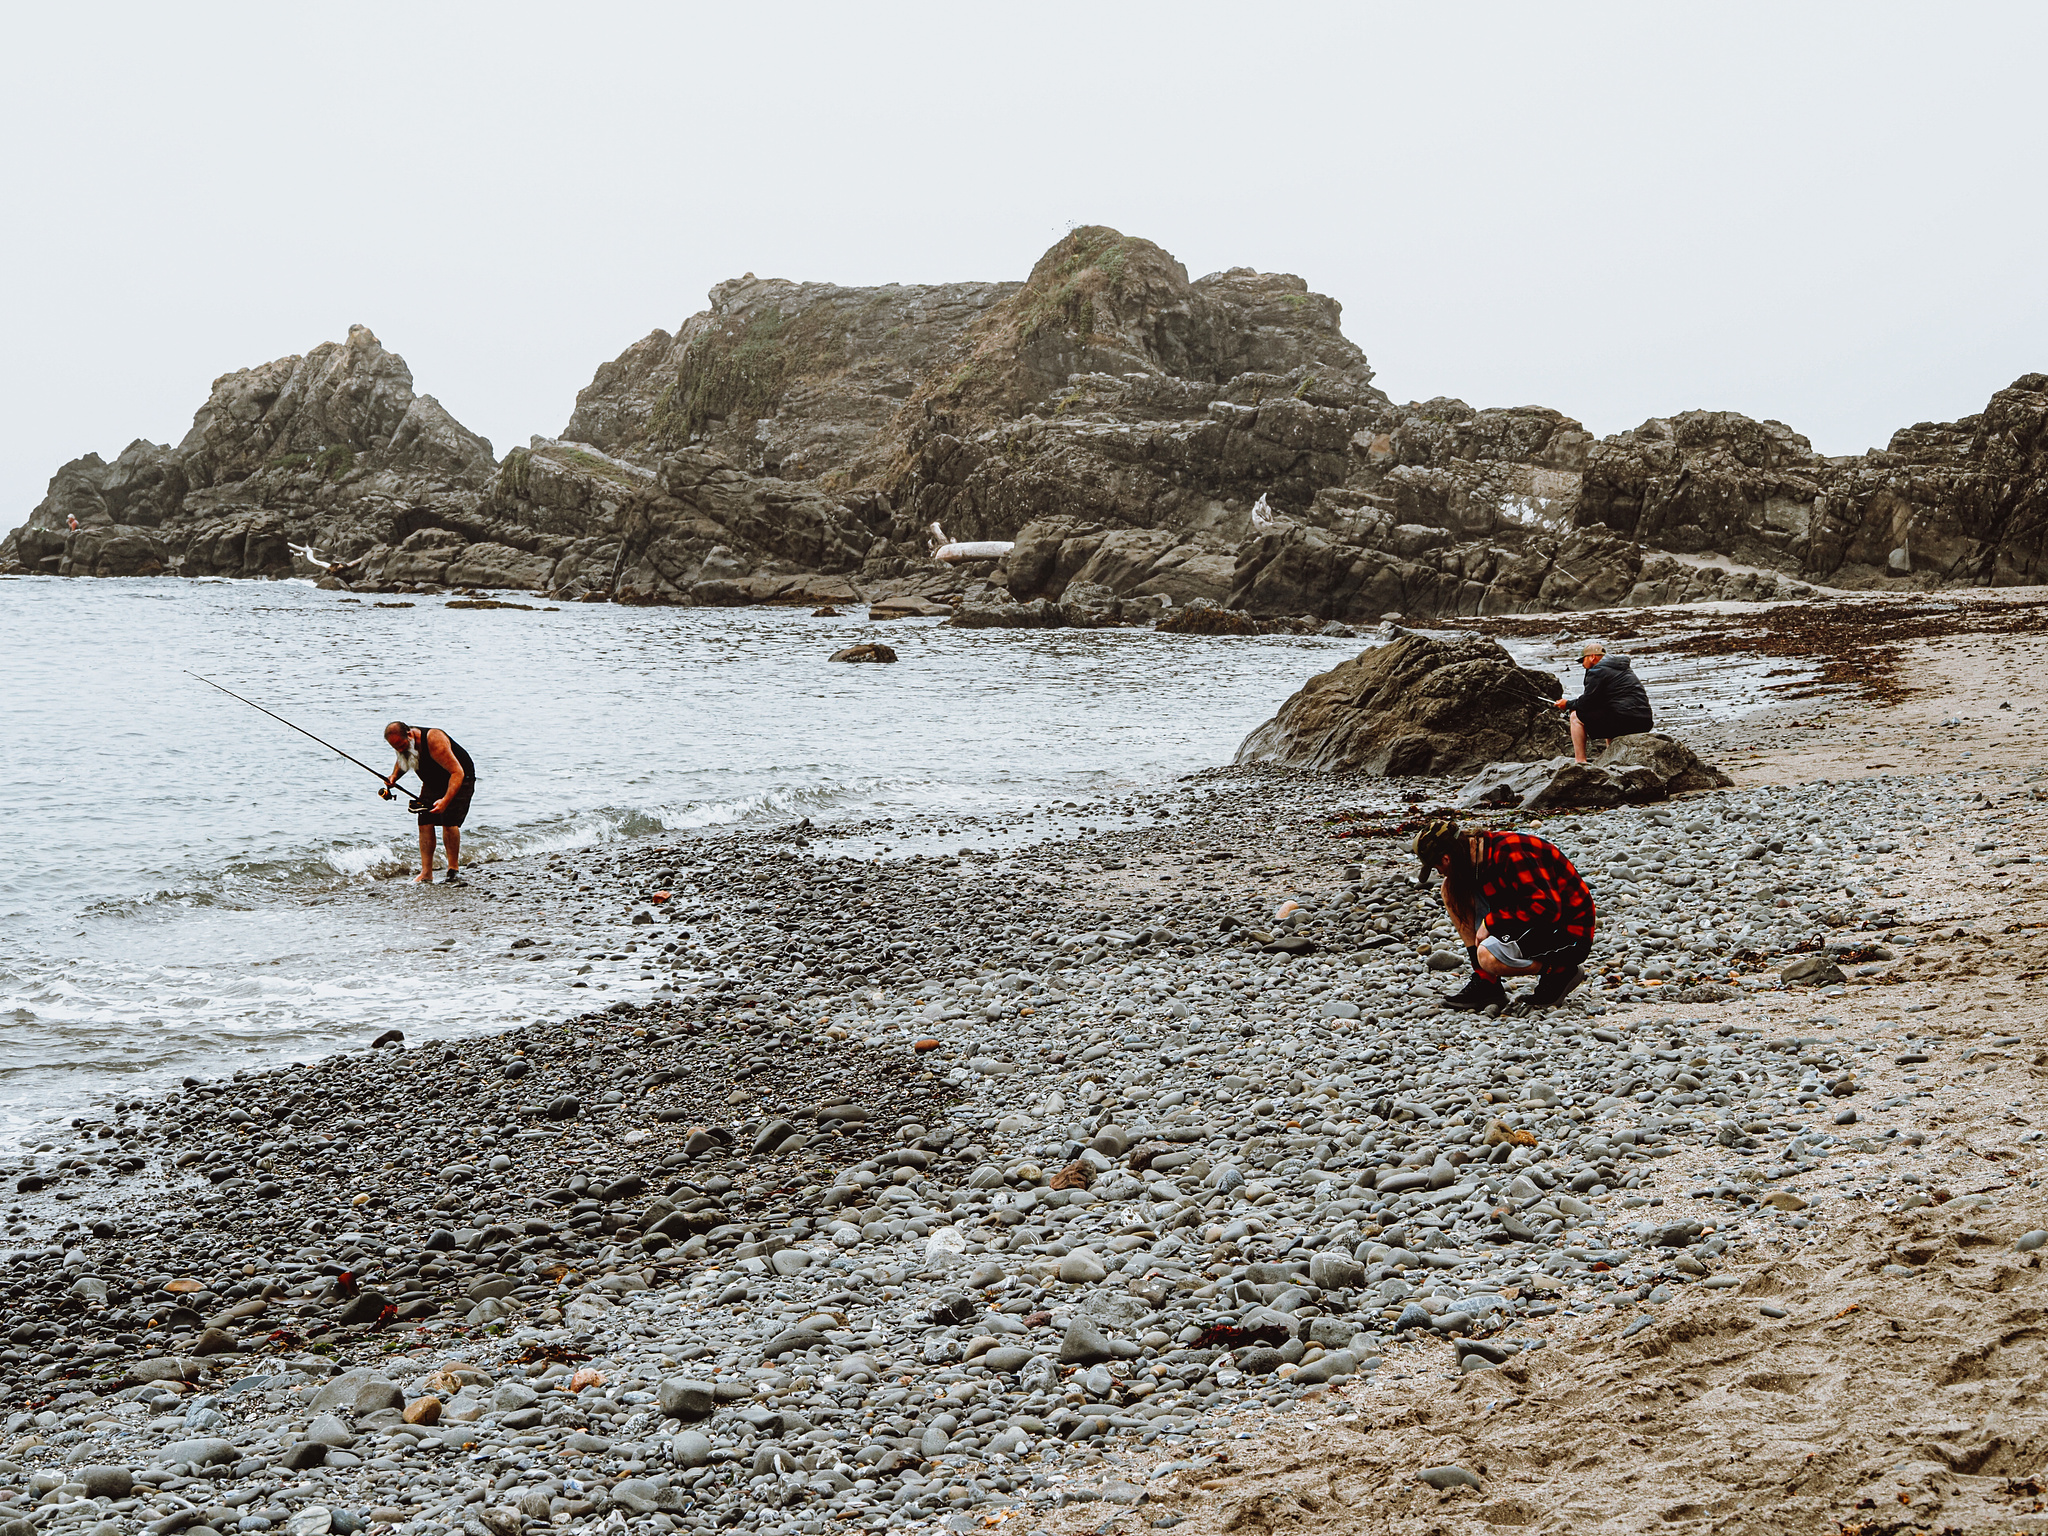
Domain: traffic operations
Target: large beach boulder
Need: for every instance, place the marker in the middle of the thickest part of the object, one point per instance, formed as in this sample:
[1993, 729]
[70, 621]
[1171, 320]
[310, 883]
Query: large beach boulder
[1416, 706]
[1646, 766]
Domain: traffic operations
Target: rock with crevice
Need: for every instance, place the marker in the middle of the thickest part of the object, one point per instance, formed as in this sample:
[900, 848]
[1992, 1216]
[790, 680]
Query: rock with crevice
[1649, 765]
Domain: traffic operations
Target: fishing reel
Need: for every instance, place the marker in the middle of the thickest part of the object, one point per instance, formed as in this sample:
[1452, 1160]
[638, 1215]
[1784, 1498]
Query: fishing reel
[412, 803]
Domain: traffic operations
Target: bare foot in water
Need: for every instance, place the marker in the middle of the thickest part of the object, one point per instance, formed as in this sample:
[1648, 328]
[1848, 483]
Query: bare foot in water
[422, 879]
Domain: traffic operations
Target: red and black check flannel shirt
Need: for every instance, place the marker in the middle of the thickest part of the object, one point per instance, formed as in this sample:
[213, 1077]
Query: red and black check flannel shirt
[1527, 879]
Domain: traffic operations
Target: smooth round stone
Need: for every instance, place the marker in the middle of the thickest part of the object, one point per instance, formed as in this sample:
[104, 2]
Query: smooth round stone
[105, 1482]
[1449, 1477]
[1081, 1267]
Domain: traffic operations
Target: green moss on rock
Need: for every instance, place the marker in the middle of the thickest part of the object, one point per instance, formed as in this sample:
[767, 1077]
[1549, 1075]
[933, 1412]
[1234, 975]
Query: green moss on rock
[741, 369]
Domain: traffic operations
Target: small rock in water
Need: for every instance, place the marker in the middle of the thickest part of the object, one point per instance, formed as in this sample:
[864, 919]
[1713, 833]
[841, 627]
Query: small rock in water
[870, 651]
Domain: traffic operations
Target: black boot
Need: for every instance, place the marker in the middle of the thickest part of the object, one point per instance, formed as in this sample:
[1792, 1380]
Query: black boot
[1552, 986]
[1481, 992]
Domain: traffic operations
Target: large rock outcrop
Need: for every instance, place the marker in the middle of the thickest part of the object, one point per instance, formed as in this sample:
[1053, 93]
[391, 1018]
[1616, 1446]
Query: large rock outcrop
[1126, 427]
[1219, 438]
[1416, 706]
[333, 448]
[785, 379]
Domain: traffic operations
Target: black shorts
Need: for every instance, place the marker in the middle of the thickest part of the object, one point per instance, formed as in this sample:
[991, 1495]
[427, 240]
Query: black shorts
[1544, 945]
[1606, 727]
[458, 808]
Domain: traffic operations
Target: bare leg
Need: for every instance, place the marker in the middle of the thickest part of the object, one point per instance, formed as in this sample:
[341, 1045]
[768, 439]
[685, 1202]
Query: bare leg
[1496, 968]
[1465, 934]
[426, 874]
[451, 838]
[1578, 737]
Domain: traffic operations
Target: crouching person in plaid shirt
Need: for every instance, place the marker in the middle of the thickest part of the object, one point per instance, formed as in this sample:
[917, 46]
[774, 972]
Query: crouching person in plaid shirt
[1519, 905]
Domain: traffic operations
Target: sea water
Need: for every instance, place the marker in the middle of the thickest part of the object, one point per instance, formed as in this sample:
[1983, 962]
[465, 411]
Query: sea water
[188, 887]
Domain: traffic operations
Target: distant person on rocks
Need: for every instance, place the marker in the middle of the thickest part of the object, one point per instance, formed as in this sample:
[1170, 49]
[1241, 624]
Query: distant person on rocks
[447, 781]
[1519, 905]
[72, 519]
[1614, 703]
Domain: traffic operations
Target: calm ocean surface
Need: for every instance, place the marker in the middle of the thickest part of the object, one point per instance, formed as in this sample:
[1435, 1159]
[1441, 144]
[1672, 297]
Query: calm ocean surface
[188, 887]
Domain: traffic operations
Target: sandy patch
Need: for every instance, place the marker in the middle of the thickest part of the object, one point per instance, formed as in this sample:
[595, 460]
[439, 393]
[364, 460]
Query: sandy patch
[1905, 1385]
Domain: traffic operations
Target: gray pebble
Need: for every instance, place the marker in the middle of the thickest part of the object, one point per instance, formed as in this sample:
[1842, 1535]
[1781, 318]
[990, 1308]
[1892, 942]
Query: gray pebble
[1450, 1477]
[1083, 1343]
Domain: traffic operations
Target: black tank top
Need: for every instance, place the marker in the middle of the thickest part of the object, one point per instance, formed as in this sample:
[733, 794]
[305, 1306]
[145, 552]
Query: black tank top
[433, 777]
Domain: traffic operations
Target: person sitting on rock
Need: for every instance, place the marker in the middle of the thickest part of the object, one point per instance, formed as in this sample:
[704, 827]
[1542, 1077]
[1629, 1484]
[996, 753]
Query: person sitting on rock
[1614, 703]
[1520, 906]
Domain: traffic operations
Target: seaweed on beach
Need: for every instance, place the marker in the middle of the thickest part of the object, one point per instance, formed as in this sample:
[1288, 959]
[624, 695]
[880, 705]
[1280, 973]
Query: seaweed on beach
[1859, 644]
[1855, 645]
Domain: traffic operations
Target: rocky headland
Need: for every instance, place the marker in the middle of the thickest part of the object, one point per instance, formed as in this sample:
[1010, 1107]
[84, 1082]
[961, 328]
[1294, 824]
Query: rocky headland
[1147, 441]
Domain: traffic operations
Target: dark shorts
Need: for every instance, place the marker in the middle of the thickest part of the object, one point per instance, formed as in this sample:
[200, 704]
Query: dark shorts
[1544, 945]
[458, 808]
[1606, 727]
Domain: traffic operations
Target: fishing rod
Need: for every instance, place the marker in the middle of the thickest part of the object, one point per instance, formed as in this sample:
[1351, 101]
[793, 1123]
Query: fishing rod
[330, 746]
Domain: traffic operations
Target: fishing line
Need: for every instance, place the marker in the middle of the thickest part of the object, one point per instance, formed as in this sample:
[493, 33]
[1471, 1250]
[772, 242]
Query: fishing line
[330, 746]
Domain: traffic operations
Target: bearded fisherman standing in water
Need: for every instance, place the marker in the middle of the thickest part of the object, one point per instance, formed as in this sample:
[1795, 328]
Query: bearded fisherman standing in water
[447, 781]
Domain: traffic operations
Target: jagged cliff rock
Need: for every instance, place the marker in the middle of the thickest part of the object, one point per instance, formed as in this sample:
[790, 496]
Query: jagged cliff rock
[1122, 423]
[793, 380]
[1130, 429]
[333, 447]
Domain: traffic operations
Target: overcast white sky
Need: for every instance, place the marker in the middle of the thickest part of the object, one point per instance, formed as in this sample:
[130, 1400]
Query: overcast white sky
[1830, 214]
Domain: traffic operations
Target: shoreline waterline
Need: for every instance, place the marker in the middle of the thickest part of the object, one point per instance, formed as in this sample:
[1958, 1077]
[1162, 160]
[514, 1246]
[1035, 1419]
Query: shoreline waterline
[205, 891]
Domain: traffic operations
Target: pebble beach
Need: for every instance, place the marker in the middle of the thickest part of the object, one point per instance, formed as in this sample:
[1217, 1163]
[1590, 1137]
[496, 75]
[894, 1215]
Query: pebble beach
[1122, 1177]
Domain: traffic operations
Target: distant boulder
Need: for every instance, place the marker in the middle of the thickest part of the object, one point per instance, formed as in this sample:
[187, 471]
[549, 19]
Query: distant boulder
[1089, 605]
[1417, 706]
[993, 608]
[871, 651]
[1202, 617]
